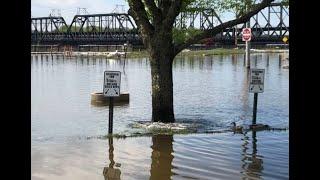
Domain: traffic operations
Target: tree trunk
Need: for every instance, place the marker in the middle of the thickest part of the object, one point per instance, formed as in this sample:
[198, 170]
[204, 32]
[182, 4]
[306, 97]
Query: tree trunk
[161, 58]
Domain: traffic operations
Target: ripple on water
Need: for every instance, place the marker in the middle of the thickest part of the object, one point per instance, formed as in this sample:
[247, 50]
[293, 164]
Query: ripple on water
[73, 143]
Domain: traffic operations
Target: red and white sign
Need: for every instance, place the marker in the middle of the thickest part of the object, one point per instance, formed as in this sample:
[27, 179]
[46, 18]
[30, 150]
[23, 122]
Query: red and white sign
[246, 34]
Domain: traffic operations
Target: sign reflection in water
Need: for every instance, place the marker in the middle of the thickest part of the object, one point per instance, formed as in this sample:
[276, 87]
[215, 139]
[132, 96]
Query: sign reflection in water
[252, 162]
[111, 173]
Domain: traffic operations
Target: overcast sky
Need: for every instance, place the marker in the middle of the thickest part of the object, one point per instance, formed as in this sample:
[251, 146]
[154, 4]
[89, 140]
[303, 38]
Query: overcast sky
[68, 8]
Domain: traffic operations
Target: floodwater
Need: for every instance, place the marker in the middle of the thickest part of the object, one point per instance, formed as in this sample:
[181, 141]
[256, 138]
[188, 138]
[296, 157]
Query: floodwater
[212, 91]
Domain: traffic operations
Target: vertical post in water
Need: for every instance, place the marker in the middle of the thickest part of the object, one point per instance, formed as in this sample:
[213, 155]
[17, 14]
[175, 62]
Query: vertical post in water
[255, 102]
[280, 58]
[110, 115]
[111, 89]
[247, 54]
[248, 48]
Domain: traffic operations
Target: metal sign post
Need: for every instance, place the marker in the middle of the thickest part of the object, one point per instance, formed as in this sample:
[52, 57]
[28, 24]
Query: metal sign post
[246, 36]
[255, 102]
[110, 115]
[256, 86]
[111, 88]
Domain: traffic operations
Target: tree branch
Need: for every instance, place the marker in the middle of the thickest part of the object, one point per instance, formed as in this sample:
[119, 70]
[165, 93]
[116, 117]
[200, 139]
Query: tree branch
[139, 14]
[155, 11]
[211, 32]
[164, 6]
[173, 12]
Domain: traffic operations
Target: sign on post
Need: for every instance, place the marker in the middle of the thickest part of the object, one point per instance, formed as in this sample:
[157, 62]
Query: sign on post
[246, 34]
[285, 39]
[256, 81]
[111, 88]
[111, 85]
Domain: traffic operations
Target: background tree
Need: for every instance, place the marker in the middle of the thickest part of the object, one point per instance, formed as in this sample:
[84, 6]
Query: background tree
[155, 20]
[240, 7]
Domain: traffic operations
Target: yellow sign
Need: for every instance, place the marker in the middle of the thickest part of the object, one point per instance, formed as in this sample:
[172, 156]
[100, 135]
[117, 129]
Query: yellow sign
[285, 39]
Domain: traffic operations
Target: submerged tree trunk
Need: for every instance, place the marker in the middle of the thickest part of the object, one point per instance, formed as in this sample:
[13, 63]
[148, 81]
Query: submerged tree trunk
[156, 26]
[161, 58]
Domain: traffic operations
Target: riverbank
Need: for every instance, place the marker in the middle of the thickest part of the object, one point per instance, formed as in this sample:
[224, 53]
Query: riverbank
[186, 52]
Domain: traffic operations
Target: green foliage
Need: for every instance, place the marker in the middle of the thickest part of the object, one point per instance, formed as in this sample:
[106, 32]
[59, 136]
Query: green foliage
[180, 35]
[285, 2]
[238, 7]
[65, 29]
[193, 5]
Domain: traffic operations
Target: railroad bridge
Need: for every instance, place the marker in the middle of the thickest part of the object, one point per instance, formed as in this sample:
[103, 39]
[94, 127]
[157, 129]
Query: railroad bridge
[270, 25]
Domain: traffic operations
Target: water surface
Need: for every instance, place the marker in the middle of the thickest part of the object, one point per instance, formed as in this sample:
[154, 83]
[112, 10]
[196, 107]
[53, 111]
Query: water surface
[211, 91]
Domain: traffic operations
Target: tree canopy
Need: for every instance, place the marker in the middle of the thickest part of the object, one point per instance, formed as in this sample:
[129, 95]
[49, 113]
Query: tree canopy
[155, 20]
[150, 15]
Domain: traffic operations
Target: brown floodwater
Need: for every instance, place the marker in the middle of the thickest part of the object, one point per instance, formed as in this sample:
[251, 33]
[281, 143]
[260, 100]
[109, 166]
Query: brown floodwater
[68, 133]
[263, 155]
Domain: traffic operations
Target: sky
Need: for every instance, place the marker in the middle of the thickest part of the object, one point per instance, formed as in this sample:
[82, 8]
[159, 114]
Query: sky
[68, 8]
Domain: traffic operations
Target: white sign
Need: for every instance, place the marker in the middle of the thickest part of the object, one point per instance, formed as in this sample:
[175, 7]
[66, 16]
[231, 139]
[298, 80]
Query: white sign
[111, 85]
[256, 81]
[246, 34]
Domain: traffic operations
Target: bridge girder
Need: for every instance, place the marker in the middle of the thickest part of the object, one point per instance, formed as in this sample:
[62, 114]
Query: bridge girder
[268, 25]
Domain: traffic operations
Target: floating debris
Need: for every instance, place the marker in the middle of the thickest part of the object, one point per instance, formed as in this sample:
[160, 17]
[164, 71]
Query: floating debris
[159, 127]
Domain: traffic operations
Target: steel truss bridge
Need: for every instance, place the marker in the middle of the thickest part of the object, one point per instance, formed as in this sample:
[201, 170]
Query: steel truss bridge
[270, 25]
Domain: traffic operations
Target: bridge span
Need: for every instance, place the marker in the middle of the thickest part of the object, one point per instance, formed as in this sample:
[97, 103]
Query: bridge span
[270, 25]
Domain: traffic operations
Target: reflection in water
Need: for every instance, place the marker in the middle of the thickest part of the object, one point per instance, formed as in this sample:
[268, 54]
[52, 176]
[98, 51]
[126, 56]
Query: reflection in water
[244, 60]
[190, 62]
[252, 163]
[280, 60]
[162, 157]
[41, 60]
[200, 63]
[59, 153]
[182, 63]
[111, 173]
[234, 59]
[220, 60]
[255, 60]
[245, 94]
